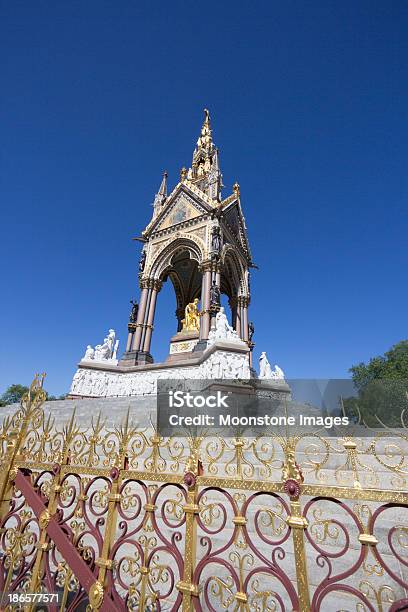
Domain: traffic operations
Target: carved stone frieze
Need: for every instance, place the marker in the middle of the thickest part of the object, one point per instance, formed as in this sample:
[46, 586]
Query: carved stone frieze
[221, 364]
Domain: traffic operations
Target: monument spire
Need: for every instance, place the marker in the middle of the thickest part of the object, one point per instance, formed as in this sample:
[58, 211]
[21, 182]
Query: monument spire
[161, 195]
[163, 187]
[204, 171]
[205, 139]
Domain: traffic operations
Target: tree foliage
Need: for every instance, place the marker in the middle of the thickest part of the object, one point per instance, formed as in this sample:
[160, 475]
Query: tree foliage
[382, 387]
[13, 394]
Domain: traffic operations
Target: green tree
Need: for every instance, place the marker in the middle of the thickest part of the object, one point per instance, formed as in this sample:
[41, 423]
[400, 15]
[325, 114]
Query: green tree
[13, 394]
[382, 387]
[52, 398]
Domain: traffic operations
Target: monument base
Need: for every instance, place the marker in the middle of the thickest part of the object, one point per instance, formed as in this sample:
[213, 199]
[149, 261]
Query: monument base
[222, 360]
[200, 346]
[132, 358]
[182, 346]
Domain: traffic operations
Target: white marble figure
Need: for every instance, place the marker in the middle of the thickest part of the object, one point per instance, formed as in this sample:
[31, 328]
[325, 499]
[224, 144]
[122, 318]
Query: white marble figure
[265, 370]
[103, 352]
[279, 375]
[89, 353]
[223, 330]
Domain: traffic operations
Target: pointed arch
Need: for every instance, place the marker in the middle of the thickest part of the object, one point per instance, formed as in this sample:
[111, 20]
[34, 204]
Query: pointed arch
[163, 261]
[234, 276]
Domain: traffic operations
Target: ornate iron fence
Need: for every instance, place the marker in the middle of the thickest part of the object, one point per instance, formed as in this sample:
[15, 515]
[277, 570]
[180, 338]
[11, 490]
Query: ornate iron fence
[123, 519]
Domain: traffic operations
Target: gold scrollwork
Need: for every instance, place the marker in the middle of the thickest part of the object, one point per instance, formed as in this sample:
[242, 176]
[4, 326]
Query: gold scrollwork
[44, 519]
[96, 595]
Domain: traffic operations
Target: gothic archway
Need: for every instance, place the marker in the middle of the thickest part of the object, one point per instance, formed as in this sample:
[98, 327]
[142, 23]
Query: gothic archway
[233, 283]
[163, 260]
[186, 279]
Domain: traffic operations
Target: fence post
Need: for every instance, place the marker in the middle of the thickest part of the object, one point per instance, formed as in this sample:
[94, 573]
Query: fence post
[104, 562]
[13, 435]
[44, 542]
[298, 524]
[293, 479]
[186, 585]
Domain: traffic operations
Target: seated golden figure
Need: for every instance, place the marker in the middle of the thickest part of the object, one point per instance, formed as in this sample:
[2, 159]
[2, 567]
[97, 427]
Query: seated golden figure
[192, 317]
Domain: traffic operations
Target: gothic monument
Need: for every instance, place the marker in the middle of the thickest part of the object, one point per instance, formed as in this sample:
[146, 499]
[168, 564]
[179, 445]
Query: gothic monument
[198, 241]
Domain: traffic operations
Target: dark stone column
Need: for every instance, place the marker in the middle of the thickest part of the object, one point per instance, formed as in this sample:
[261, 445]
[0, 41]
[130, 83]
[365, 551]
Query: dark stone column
[150, 316]
[233, 306]
[140, 317]
[205, 303]
[134, 354]
[245, 331]
[238, 319]
[180, 317]
[131, 330]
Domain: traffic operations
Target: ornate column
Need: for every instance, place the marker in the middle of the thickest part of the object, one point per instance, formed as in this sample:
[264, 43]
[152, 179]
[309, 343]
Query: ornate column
[238, 319]
[215, 276]
[143, 326]
[156, 286]
[245, 331]
[141, 315]
[131, 330]
[132, 354]
[205, 301]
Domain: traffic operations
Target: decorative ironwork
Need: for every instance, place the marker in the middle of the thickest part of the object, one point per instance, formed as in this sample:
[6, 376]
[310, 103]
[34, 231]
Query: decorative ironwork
[123, 518]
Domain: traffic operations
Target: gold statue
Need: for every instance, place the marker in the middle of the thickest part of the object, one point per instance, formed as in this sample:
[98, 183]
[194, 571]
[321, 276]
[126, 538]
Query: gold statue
[192, 317]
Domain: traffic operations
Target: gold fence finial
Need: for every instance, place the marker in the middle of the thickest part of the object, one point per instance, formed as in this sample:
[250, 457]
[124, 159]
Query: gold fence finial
[291, 469]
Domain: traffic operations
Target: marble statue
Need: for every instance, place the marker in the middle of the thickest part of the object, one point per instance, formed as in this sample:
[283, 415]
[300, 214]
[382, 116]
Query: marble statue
[278, 373]
[89, 353]
[223, 330]
[191, 322]
[103, 352]
[265, 370]
[251, 329]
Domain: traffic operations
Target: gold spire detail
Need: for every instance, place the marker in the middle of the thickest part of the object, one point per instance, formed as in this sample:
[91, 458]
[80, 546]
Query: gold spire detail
[205, 139]
[204, 152]
[205, 172]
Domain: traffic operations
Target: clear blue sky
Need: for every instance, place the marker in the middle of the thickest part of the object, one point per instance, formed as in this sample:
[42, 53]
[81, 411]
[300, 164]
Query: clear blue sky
[309, 104]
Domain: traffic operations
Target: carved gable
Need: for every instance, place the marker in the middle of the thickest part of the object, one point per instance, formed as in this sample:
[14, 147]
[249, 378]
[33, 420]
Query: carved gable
[183, 208]
[235, 225]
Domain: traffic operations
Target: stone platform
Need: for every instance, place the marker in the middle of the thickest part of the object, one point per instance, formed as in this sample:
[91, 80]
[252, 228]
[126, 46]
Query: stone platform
[221, 360]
